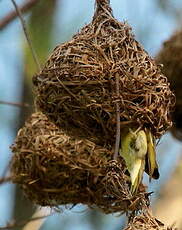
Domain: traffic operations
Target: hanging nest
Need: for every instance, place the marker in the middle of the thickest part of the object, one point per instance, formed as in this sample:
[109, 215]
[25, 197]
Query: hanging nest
[146, 221]
[56, 169]
[171, 57]
[78, 85]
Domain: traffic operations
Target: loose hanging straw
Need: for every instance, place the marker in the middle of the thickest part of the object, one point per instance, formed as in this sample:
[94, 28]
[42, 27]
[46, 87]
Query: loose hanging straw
[34, 55]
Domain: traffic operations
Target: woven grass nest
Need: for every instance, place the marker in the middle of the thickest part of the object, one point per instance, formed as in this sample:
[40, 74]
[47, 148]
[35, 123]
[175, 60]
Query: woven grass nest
[171, 58]
[54, 168]
[146, 221]
[103, 66]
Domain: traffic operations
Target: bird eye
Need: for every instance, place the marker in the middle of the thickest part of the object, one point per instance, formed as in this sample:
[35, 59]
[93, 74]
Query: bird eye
[132, 143]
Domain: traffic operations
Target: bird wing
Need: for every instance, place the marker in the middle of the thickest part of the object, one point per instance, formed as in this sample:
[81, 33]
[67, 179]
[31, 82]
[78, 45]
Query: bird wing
[136, 174]
[151, 163]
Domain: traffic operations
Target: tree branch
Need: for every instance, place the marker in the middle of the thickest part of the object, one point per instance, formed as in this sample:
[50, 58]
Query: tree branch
[12, 224]
[26, 6]
[5, 180]
[15, 104]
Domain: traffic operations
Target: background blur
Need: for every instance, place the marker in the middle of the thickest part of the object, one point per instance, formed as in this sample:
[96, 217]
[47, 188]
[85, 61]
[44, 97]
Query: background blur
[49, 23]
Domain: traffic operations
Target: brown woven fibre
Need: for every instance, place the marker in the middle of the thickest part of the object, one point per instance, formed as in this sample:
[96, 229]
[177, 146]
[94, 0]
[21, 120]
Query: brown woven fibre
[56, 169]
[77, 86]
[171, 57]
[146, 221]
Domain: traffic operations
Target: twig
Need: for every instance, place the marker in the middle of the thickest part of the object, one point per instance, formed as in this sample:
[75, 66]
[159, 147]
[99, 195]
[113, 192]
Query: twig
[26, 34]
[118, 134]
[22, 223]
[15, 104]
[27, 5]
[5, 179]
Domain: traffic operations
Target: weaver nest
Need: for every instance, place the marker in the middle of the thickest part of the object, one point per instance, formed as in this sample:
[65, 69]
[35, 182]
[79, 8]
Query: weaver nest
[146, 221]
[171, 57]
[54, 168]
[103, 66]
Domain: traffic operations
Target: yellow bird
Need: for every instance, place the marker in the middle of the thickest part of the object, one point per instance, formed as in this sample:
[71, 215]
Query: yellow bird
[138, 151]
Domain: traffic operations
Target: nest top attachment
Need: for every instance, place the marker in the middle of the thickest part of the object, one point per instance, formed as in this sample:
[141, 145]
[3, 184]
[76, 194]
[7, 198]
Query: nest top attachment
[77, 85]
[56, 169]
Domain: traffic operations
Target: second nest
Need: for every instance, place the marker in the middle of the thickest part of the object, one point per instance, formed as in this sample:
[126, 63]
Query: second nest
[56, 169]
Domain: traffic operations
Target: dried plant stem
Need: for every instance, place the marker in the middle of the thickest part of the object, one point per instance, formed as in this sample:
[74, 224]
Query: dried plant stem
[34, 55]
[27, 5]
[15, 104]
[118, 134]
[66, 88]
